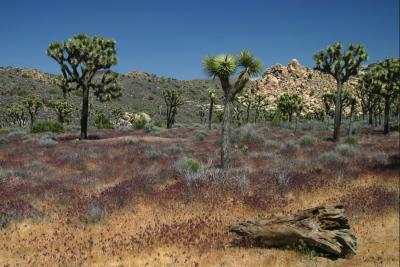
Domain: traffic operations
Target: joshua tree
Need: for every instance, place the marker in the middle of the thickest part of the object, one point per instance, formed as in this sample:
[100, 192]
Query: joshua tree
[247, 100]
[63, 109]
[32, 104]
[173, 99]
[387, 75]
[289, 103]
[260, 103]
[367, 91]
[17, 114]
[85, 65]
[201, 111]
[341, 65]
[223, 67]
[211, 96]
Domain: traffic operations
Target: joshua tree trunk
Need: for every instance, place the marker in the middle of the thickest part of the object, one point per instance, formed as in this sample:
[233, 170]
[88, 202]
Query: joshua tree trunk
[370, 113]
[248, 114]
[290, 117]
[351, 120]
[85, 113]
[210, 112]
[325, 228]
[226, 132]
[32, 119]
[387, 113]
[338, 111]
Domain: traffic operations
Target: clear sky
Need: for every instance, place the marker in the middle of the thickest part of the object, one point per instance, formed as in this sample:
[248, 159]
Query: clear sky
[171, 38]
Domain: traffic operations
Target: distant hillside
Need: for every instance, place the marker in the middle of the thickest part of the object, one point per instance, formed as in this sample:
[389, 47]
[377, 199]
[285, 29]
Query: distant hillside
[141, 92]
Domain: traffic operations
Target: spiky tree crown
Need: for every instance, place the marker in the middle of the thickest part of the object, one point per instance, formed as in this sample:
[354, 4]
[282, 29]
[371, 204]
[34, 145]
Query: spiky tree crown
[224, 66]
[81, 58]
[338, 63]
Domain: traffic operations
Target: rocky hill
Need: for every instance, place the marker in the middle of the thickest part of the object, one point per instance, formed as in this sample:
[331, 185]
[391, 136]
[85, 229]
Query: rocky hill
[310, 84]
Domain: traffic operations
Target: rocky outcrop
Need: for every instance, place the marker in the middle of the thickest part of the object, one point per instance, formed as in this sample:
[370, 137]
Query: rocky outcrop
[295, 78]
[127, 119]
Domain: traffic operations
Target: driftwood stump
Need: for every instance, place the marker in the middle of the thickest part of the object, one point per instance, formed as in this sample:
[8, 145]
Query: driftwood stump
[325, 228]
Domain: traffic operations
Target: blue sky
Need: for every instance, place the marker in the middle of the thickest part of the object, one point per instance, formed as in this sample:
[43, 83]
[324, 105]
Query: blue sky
[171, 38]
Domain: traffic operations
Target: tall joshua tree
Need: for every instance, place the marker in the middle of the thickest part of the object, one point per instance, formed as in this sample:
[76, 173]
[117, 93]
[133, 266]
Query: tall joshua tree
[341, 65]
[211, 96]
[173, 99]
[224, 67]
[85, 65]
[367, 90]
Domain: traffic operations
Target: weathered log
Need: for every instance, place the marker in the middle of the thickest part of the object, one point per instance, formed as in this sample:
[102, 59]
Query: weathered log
[325, 228]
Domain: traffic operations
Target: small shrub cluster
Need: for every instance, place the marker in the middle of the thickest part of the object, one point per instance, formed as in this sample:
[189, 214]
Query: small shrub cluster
[47, 126]
[330, 158]
[103, 122]
[139, 123]
[346, 150]
[352, 140]
[271, 144]
[245, 134]
[289, 146]
[187, 165]
[94, 214]
[46, 140]
[152, 129]
[379, 159]
[308, 140]
[174, 149]
[201, 134]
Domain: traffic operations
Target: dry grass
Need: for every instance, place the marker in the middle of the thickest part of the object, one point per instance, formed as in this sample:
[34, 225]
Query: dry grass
[153, 218]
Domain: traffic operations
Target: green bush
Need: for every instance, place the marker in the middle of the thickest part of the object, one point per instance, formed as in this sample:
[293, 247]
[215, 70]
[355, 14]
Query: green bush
[139, 123]
[152, 129]
[201, 134]
[103, 122]
[47, 126]
[352, 140]
[394, 127]
[187, 165]
[308, 140]
[346, 150]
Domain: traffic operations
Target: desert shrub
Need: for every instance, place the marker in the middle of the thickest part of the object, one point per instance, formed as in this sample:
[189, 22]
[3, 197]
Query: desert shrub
[3, 141]
[152, 129]
[47, 126]
[271, 144]
[187, 165]
[8, 130]
[139, 123]
[288, 146]
[308, 140]
[102, 121]
[132, 141]
[346, 150]
[201, 134]
[44, 140]
[72, 127]
[17, 134]
[94, 214]
[312, 125]
[232, 178]
[5, 174]
[261, 155]
[379, 158]
[352, 140]
[37, 170]
[174, 148]
[72, 156]
[245, 134]
[330, 158]
[276, 121]
[394, 127]
[153, 153]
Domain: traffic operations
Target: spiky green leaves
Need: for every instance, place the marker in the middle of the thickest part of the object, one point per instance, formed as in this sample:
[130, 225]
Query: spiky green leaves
[222, 66]
[340, 64]
[225, 65]
[81, 58]
[63, 109]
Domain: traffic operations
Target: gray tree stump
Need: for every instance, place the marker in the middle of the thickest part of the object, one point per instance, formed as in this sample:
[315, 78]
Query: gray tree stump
[325, 228]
